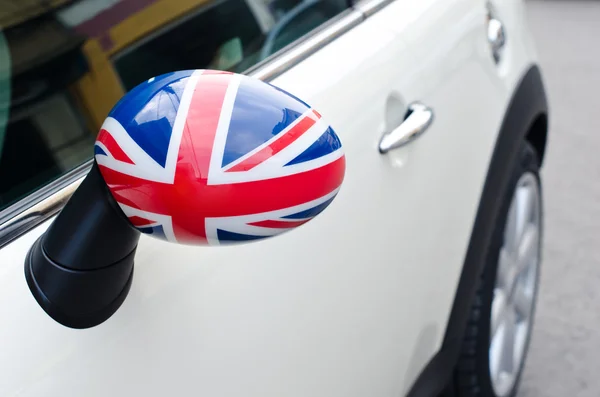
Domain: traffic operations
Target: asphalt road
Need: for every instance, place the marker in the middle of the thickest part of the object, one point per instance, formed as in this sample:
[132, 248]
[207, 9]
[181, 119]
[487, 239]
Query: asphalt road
[564, 359]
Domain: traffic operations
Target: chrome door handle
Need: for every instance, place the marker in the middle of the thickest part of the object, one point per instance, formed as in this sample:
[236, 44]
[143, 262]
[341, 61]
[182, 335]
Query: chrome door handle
[496, 38]
[419, 118]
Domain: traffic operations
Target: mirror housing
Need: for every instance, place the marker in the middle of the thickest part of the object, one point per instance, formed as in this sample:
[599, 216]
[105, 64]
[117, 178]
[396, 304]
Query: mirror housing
[193, 157]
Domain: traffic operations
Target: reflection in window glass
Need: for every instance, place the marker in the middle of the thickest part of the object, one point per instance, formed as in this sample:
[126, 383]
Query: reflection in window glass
[65, 63]
[4, 88]
[42, 131]
[41, 145]
[208, 39]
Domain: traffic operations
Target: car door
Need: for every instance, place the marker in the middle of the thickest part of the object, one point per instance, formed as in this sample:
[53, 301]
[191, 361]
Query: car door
[353, 303]
[413, 215]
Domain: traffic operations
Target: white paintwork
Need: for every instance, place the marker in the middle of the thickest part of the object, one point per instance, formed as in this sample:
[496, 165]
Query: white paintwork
[353, 303]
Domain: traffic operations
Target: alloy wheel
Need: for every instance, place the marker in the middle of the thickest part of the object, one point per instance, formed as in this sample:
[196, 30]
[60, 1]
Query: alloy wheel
[515, 287]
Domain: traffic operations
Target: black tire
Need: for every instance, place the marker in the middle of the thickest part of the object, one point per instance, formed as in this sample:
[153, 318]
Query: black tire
[472, 375]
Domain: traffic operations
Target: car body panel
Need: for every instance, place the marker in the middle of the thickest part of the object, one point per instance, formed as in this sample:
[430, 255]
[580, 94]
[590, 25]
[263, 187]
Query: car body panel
[354, 302]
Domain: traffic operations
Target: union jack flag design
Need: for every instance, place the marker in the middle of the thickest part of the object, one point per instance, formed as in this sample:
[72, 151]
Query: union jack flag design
[210, 157]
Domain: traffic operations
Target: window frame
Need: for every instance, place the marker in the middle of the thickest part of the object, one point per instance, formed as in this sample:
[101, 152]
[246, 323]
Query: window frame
[48, 200]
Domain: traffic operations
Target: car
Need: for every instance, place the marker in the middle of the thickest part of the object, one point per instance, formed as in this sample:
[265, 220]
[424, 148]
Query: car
[410, 268]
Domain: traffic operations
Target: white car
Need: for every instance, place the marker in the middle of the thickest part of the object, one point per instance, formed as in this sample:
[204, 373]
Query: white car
[418, 279]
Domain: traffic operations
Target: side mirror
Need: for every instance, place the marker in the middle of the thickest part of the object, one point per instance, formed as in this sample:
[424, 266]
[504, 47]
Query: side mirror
[193, 157]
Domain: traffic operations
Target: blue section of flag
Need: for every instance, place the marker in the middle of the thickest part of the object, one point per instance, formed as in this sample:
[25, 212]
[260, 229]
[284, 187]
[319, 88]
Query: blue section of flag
[224, 235]
[259, 113]
[160, 96]
[311, 212]
[155, 231]
[327, 143]
[98, 150]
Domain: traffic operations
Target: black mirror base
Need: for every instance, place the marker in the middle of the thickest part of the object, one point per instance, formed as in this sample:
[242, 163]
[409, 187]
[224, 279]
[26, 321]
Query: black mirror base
[80, 270]
[92, 296]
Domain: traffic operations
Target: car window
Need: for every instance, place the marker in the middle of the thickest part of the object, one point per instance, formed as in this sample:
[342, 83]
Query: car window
[65, 63]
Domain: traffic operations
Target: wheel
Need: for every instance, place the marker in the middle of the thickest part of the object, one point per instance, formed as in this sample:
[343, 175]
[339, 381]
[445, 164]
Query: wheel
[497, 337]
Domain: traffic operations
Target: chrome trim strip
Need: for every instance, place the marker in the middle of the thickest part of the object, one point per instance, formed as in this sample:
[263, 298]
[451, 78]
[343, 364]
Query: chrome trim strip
[47, 201]
[370, 7]
[40, 205]
[296, 52]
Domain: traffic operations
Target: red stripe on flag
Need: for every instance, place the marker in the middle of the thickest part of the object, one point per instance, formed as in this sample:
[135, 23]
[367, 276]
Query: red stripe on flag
[113, 147]
[138, 221]
[202, 122]
[278, 145]
[195, 150]
[279, 224]
[189, 204]
[224, 200]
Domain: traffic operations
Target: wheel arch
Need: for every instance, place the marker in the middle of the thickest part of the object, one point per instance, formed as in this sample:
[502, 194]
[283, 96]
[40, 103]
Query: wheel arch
[526, 117]
[537, 135]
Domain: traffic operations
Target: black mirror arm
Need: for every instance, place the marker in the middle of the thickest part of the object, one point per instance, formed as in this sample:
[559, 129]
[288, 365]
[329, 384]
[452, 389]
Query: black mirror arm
[80, 270]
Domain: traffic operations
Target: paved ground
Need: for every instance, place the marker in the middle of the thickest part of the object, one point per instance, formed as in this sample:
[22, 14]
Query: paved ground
[564, 359]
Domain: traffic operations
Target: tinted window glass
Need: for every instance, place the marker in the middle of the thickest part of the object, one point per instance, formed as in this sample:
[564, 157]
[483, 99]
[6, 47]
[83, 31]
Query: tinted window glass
[209, 39]
[43, 132]
[65, 63]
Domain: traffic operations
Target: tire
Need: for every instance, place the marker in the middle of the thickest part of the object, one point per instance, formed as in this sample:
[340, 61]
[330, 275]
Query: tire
[473, 372]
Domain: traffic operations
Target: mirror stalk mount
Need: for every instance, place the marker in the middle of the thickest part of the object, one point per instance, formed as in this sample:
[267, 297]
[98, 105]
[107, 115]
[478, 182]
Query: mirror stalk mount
[80, 270]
